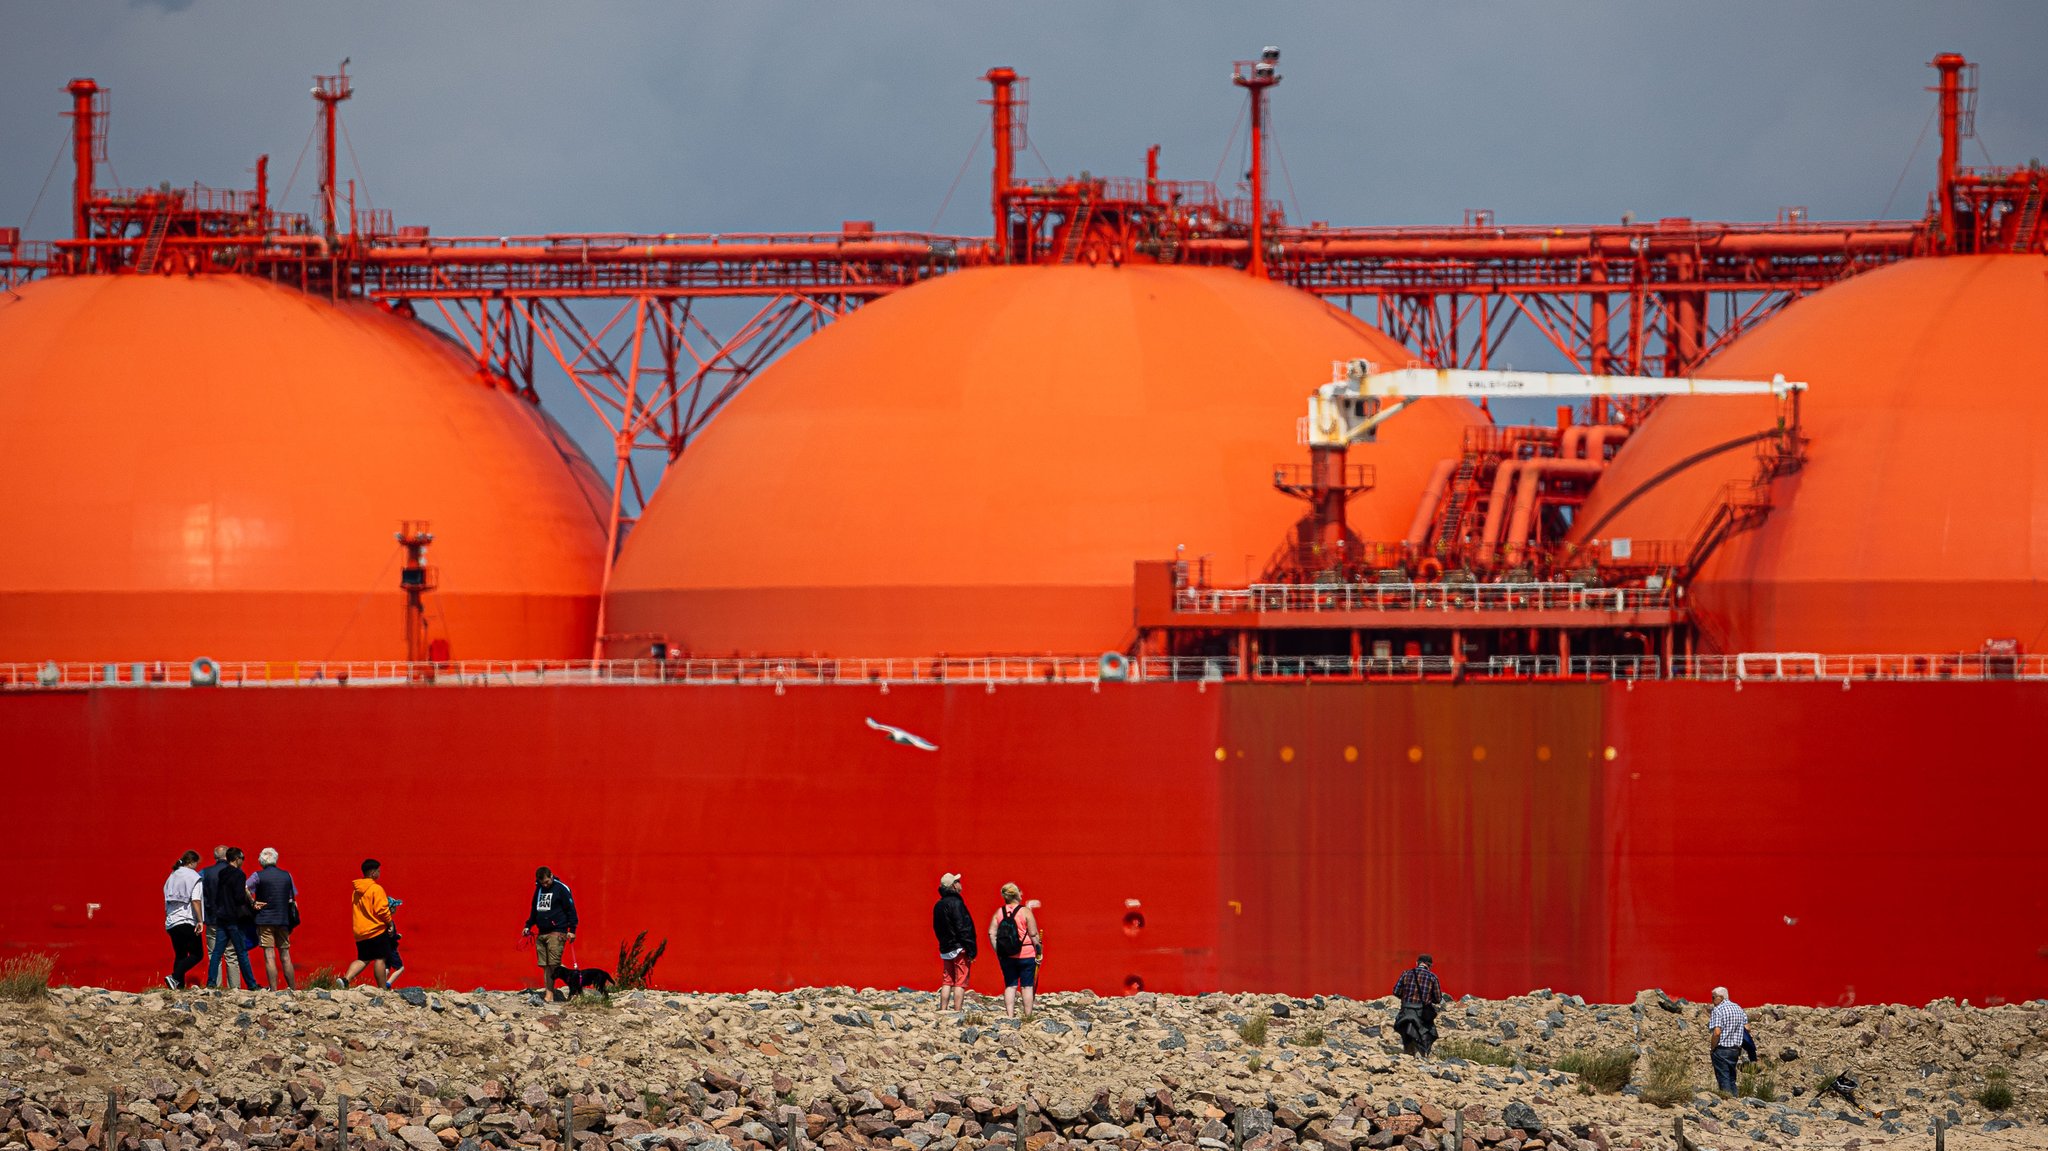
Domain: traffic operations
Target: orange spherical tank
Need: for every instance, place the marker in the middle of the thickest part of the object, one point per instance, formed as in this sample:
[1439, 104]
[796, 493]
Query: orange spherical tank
[216, 466]
[1920, 521]
[974, 465]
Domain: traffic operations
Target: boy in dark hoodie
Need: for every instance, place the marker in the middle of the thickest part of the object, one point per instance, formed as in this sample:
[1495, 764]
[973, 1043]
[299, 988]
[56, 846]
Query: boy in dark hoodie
[953, 924]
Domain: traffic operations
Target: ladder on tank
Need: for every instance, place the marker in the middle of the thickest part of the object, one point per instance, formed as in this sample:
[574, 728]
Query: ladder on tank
[2030, 218]
[1450, 523]
[153, 245]
[1077, 233]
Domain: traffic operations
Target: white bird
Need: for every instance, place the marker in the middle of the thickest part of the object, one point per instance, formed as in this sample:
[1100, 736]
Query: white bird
[898, 735]
[1790, 920]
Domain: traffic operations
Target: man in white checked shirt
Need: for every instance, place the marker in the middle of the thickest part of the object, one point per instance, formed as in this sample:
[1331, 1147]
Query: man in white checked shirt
[1729, 1024]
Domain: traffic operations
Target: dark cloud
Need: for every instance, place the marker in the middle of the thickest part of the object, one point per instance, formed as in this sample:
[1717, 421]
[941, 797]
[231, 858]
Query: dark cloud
[515, 116]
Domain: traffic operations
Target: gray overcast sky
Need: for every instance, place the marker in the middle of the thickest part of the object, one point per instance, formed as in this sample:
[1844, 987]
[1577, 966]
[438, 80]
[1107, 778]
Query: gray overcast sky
[518, 117]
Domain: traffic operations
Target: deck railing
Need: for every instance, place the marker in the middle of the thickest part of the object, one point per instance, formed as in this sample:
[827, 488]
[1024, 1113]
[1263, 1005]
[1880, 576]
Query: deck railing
[1368, 597]
[1109, 668]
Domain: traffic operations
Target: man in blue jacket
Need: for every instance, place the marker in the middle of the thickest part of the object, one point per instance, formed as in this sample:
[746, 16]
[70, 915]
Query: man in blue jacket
[552, 921]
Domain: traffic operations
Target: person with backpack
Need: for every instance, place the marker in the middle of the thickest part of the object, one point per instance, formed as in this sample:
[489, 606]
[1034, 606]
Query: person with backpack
[954, 926]
[1018, 943]
[551, 920]
[376, 933]
[236, 915]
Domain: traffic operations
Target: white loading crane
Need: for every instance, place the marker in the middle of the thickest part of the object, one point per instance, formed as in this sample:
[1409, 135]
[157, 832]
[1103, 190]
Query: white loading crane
[1349, 408]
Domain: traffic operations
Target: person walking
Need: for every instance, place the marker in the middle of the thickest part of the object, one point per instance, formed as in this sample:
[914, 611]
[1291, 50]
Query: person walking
[1018, 942]
[376, 933]
[1420, 993]
[277, 911]
[209, 889]
[1728, 1025]
[184, 911]
[551, 920]
[236, 914]
[954, 926]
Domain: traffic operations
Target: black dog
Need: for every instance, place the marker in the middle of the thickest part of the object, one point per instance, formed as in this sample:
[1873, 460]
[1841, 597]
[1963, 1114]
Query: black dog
[580, 980]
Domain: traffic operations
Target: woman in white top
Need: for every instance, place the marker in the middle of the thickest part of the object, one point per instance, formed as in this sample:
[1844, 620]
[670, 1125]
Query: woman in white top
[183, 914]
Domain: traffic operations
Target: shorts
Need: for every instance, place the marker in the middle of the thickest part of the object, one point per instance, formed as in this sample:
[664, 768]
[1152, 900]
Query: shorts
[378, 947]
[955, 974]
[547, 949]
[273, 935]
[1019, 972]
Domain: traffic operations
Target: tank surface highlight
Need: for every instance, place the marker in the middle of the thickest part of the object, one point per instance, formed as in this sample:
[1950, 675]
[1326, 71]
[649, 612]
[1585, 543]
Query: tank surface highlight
[215, 466]
[973, 465]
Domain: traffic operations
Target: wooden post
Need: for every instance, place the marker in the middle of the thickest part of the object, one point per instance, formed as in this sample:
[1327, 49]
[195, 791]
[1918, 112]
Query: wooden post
[341, 1109]
[1678, 1134]
[1458, 1130]
[569, 1121]
[1023, 1126]
[112, 1137]
[1940, 1134]
[1237, 1128]
[794, 1140]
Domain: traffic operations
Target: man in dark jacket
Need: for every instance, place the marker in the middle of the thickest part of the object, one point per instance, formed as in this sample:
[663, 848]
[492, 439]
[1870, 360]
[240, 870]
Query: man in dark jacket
[235, 917]
[209, 881]
[551, 920]
[954, 926]
[277, 911]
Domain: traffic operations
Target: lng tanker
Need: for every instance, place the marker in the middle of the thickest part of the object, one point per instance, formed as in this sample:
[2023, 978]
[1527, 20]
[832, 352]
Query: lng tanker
[1694, 684]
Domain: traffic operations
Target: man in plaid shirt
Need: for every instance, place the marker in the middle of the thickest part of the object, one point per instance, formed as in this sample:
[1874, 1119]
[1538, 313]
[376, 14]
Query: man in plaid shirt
[1419, 993]
[1729, 1025]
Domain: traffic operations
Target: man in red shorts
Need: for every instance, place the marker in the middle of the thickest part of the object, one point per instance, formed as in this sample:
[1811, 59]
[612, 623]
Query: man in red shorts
[954, 926]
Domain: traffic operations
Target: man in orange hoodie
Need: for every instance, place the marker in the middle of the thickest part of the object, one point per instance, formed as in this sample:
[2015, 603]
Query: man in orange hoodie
[376, 938]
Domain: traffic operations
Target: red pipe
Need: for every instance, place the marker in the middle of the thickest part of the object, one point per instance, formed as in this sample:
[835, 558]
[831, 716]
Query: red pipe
[1425, 512]
[1533, 473]
[1572, 445]
[1598, 438]
[853, 252]
[1496, 507]
[1579, 245]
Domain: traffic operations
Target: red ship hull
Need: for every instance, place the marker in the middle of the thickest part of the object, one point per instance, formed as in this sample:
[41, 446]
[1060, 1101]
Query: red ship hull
[1805, 843]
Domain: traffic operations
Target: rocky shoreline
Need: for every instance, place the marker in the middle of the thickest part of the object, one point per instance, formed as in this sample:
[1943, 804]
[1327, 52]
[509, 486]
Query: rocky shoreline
[434, 1070]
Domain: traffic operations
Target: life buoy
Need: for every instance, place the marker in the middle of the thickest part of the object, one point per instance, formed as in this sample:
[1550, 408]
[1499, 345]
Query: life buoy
[1431, 571]
[1114, 666]
[205, 672]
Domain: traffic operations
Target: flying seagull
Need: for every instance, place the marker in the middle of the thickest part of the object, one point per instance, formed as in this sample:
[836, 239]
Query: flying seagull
[898, 735]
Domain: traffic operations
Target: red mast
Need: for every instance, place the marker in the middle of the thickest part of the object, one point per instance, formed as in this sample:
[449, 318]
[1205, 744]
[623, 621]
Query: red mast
[1001, 101]
[330, 91]
[1950, 64]
[84, 151]
[1255, 76]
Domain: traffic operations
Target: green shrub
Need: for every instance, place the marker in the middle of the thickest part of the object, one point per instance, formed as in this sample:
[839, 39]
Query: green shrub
[1753, 1082]
[1997, 1092]
[636, 965]
[1606, 1071]
[1475, 1051]
[1668, 1077]
[1254, 1062]
[1308, 1037]
[324, 978]
[26, 977]
[1253, 1030]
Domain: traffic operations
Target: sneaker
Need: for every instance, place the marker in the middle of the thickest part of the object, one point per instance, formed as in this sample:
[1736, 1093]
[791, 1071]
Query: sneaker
[171, 983]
